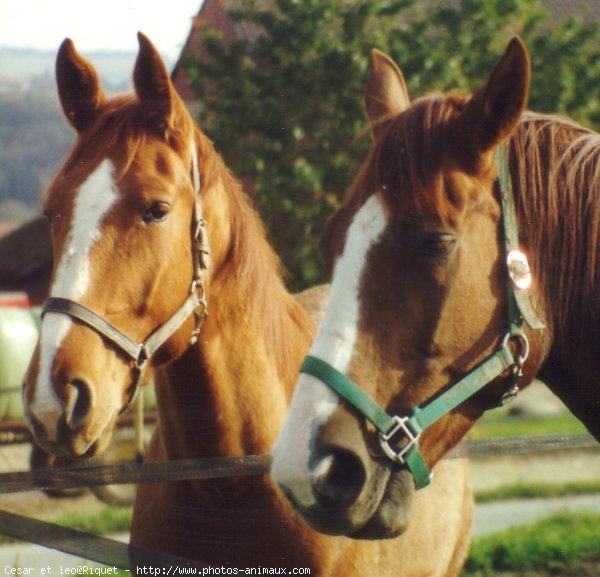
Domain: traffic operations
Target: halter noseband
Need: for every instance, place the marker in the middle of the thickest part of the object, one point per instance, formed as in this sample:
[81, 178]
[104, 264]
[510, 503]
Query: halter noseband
[519, 311]
[195, 303]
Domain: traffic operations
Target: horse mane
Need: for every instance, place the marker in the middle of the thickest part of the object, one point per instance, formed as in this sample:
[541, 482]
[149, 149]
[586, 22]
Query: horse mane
[252, 271]
[555, 168]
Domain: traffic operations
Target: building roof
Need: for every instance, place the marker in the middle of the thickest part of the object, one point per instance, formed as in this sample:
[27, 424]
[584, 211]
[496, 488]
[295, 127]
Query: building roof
[26, 259]
[214, 15]
[563, 9]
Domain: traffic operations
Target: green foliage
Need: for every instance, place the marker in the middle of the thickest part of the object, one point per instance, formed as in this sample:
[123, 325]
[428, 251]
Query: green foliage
[285, 107]
[559, 540]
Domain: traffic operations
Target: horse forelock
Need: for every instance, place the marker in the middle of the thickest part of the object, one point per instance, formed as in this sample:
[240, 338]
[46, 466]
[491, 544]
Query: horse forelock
[403, 166]
[119, 129]
[406, 162]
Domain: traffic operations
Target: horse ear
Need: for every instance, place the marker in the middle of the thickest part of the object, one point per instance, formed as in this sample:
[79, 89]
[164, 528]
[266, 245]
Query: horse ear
[386, 94]
[78, 86]
[153, 85]
[493, 112]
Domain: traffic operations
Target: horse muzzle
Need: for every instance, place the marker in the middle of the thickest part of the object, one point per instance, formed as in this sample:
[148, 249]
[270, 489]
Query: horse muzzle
[358, 501]
[344, 489]
[69, 415]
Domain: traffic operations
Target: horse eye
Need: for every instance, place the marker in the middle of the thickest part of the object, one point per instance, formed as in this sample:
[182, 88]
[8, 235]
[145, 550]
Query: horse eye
[438, 245]
[156, 212]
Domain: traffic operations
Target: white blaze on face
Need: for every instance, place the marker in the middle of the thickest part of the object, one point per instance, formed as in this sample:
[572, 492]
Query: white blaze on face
[314, 401]
[93, 201]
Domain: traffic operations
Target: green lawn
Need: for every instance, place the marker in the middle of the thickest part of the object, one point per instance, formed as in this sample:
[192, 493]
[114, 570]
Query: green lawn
[499, 423]
[108, 520]
[563, 539]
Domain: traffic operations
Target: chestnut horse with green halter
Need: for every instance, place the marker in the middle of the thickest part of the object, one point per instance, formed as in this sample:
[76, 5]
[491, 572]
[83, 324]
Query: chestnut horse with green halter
[465, 261]
[140, 203]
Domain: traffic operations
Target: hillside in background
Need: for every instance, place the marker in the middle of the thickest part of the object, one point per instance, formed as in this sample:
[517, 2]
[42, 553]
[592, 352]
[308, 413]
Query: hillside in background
[34, 136]
[16, 63]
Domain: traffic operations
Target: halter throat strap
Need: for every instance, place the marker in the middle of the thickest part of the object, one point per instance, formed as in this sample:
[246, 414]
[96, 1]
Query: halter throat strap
[410, 427]
[195, 303]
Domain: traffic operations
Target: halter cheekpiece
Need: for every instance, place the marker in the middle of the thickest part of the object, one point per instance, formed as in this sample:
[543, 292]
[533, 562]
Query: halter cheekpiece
[392, 428]
[195, 303]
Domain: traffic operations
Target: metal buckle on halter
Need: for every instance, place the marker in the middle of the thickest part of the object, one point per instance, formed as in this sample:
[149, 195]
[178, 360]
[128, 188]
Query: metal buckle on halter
[201, 247]
[201, 310]
[200, 313]
[521, 339]
[517, 369]
[412, 439]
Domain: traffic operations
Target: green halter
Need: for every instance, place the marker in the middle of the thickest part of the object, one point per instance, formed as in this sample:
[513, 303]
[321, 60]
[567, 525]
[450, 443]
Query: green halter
[411, 426]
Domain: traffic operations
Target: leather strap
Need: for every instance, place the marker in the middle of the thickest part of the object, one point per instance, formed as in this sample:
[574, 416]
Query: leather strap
[138, 352]
[511, 237]
[342, 385]
[89, 317]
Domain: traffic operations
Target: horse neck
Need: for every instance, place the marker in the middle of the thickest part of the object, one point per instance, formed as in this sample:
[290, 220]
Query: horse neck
[555, 167]
[239, 377]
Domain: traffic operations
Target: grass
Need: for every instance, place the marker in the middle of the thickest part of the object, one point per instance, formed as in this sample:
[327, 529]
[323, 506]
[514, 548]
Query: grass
[499, 424]
[563, 539]
[108, 520]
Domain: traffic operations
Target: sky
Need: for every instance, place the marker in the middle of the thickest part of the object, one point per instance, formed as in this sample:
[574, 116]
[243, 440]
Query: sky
[98, 24]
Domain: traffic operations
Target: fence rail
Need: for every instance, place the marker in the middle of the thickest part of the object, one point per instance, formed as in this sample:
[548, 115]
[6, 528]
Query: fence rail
[250, 465]
[110, 552]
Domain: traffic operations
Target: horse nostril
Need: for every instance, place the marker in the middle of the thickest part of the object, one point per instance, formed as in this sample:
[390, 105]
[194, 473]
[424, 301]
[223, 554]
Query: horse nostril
[79, 403]
[339, 477]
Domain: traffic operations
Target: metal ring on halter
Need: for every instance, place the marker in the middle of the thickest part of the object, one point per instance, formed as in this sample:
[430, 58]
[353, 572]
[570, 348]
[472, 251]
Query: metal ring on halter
[198, 285]
[523, 341]
[411, 436]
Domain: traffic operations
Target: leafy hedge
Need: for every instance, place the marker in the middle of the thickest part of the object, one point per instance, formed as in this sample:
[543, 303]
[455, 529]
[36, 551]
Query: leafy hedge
[284, 106]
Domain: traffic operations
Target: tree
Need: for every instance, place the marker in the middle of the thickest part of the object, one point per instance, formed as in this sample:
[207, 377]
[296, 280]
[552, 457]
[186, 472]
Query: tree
[285, 109]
